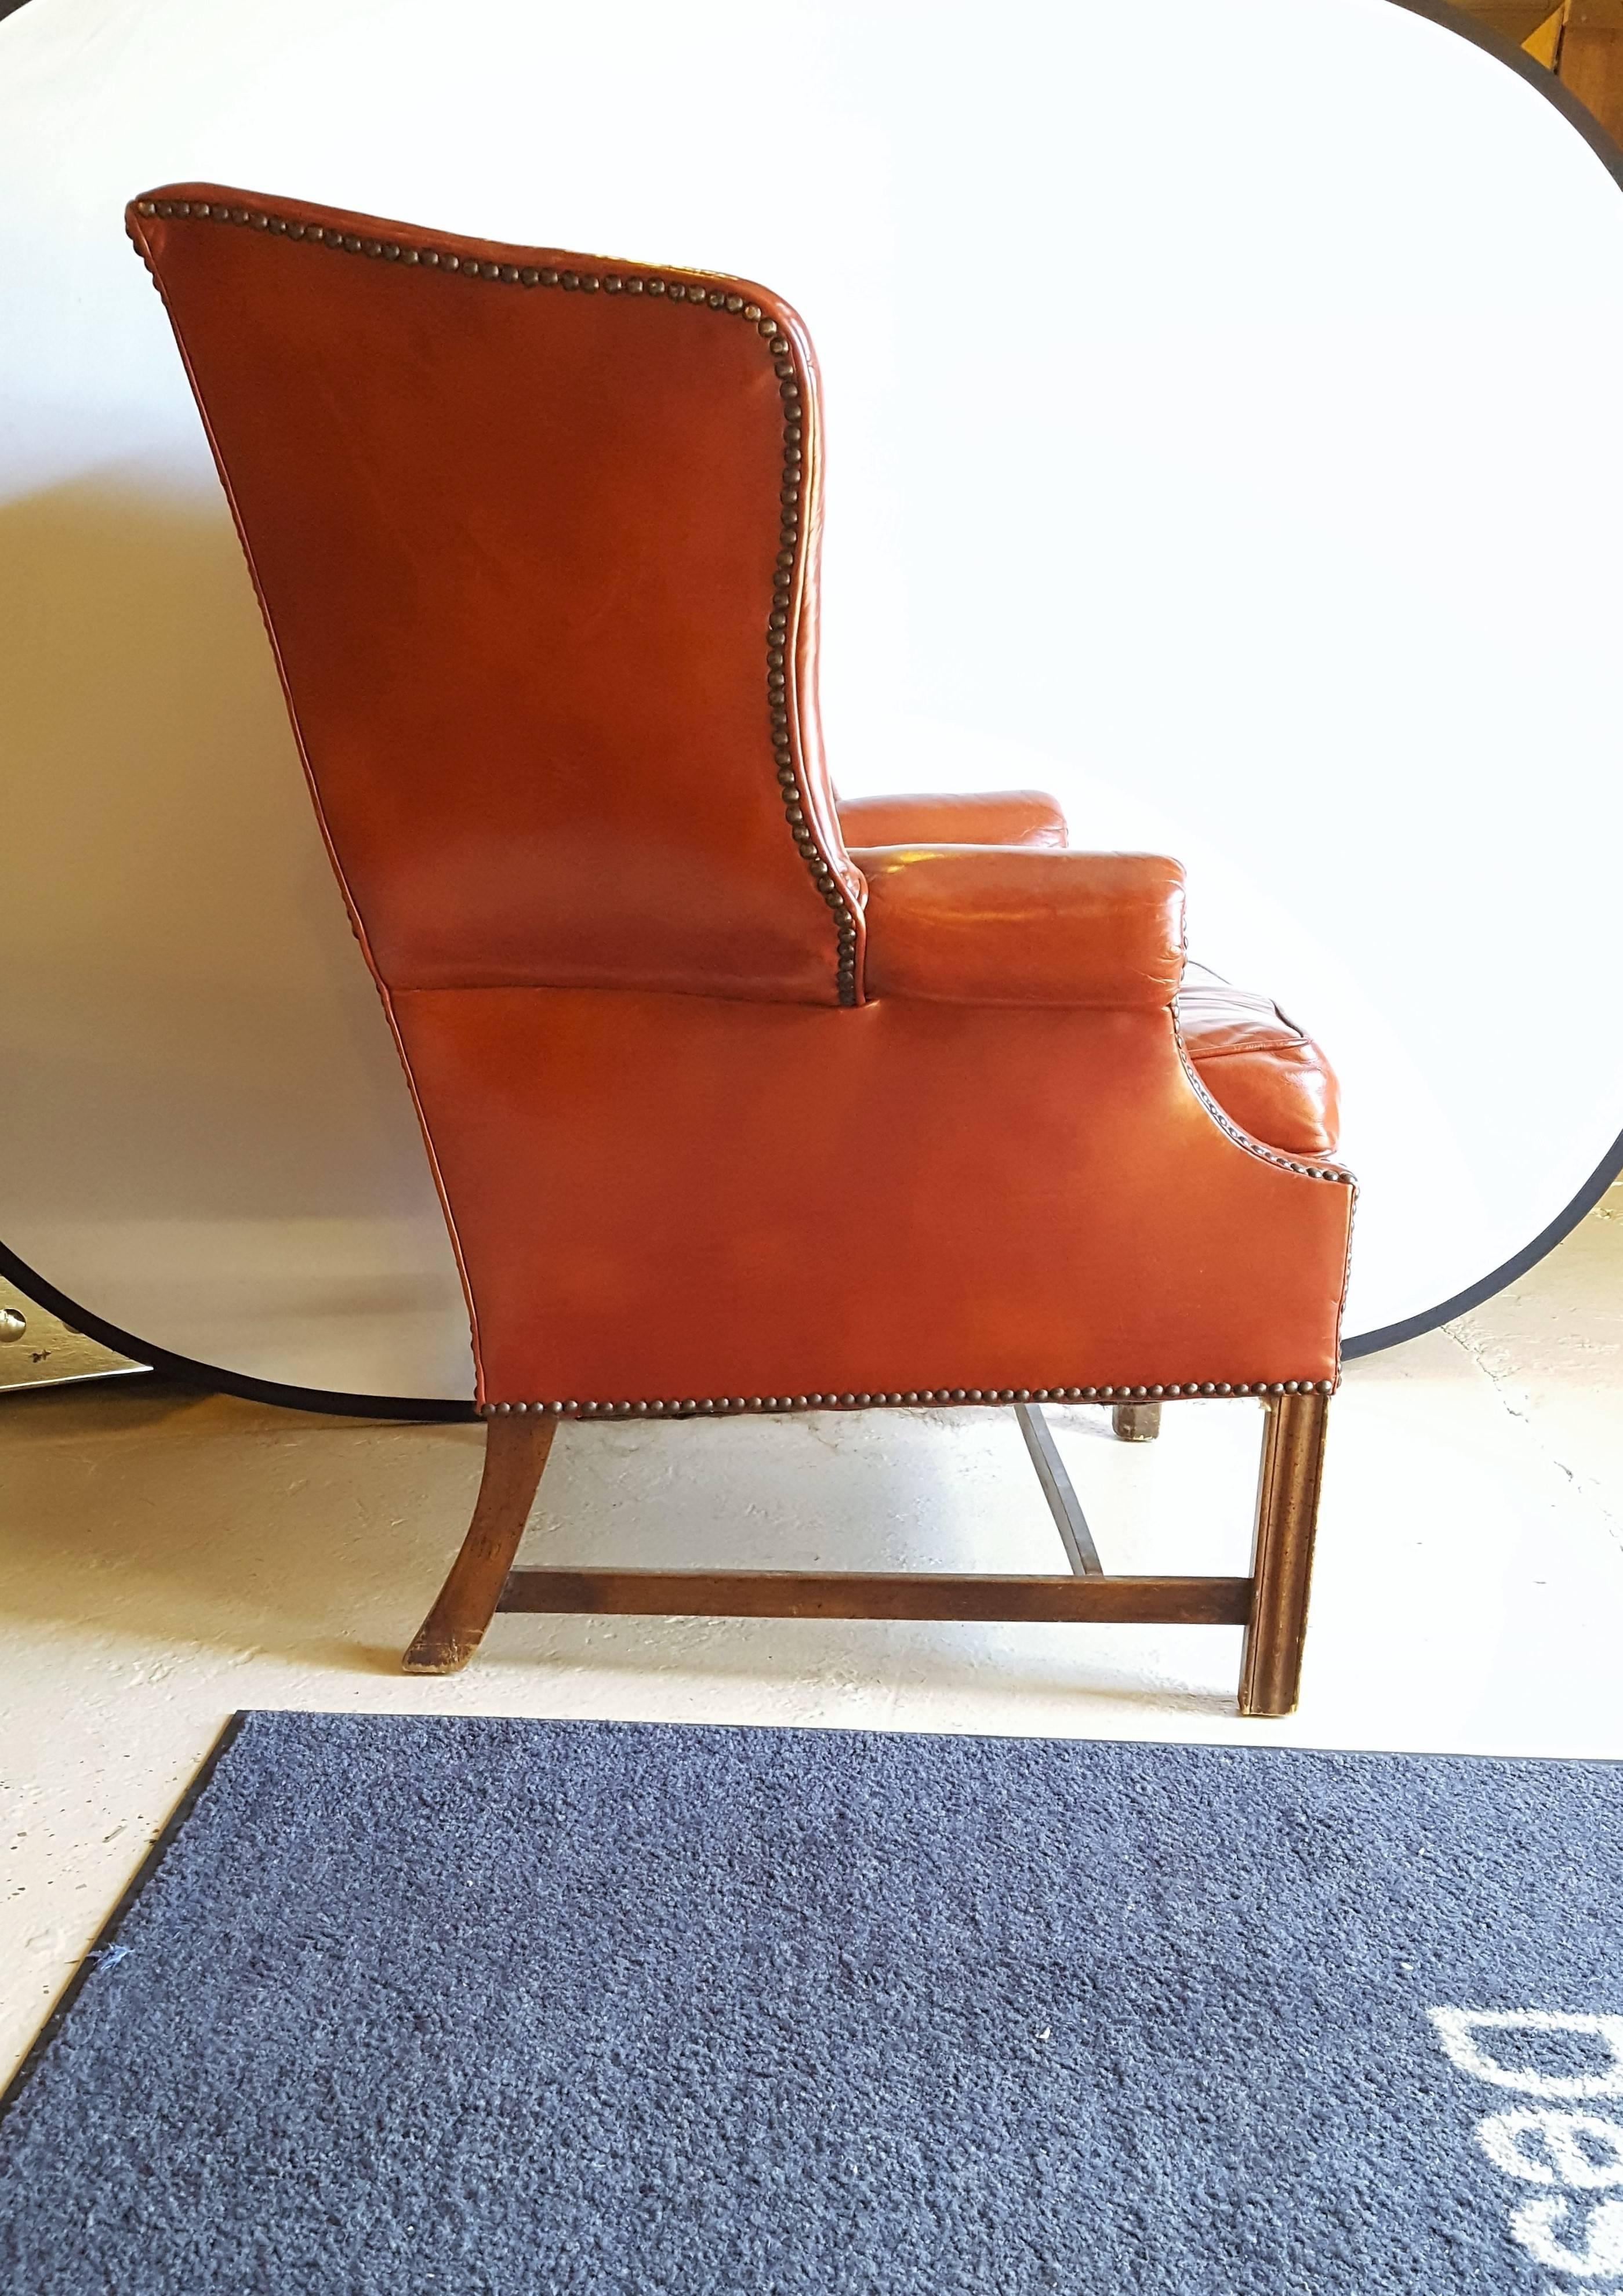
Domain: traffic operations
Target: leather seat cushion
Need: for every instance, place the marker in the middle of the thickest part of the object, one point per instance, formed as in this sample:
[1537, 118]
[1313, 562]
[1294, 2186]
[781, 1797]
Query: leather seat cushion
[1259, 1068]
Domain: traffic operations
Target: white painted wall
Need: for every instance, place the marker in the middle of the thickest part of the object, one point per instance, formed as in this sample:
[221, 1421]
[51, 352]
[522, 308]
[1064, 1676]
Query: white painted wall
[1222, 418]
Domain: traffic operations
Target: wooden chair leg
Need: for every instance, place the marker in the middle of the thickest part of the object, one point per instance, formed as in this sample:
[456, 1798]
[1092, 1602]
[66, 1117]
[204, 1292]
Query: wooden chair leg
[1137, 1422]
[1282, 1562]
[515, 1453]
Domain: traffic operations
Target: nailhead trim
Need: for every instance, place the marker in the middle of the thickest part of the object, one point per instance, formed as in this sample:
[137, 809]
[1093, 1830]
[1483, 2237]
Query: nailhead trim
[1258, 1148]
[786, 567]
[729, 1405]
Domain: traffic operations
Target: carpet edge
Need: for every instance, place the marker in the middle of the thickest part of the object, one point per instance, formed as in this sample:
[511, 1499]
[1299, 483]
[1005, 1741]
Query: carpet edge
[157, 1849]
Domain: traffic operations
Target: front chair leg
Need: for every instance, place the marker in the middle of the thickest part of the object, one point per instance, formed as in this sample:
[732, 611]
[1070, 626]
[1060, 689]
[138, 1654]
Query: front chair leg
[515, 1453]
[1282, 1562]
[1137, 1422]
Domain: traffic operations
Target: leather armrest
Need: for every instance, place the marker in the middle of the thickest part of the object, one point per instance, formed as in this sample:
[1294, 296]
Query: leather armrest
[1006, 817]
[986, 924]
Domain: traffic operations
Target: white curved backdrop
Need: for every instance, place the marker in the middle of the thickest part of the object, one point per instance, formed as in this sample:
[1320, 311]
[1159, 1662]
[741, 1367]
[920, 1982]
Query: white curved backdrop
[1222, 419]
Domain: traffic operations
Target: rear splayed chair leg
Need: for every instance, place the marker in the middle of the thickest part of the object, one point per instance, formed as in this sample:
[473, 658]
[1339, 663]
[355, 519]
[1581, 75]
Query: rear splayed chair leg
[515, 1453]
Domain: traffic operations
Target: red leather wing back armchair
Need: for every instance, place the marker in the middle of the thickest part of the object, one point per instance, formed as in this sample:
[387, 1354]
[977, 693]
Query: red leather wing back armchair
[737, 1098]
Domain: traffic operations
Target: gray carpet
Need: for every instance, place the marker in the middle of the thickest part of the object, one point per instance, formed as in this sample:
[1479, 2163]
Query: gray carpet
[519, 2007]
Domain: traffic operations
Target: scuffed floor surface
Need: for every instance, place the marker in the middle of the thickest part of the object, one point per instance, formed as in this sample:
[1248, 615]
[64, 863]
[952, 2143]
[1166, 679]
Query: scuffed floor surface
[167, 1558]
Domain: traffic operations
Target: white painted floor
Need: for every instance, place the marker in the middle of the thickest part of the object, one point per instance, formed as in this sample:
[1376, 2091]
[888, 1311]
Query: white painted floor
[168, 1559]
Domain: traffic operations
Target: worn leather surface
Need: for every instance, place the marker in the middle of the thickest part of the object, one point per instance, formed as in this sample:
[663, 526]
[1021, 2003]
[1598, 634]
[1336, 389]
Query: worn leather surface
[1264, 1070]
[994, 817]
[516, 549]
[664, 1197]
[1007, 924]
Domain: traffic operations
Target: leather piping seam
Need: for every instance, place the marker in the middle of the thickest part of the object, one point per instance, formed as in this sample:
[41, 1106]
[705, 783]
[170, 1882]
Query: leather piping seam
[1271, 1156]
[1242, 1139]
[728, 1406]
[1269, 1045]
[792, 492]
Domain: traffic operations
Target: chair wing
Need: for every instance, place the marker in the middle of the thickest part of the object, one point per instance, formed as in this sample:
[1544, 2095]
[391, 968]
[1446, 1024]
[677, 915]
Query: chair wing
[535, 536]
